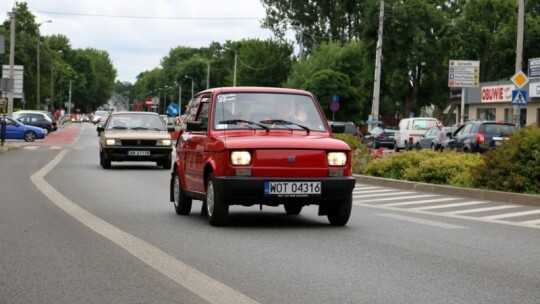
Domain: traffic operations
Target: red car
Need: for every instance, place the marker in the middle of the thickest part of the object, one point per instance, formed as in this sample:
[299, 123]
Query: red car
[260, 146]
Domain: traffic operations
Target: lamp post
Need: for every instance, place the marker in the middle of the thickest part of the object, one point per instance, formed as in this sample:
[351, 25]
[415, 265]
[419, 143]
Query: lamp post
[179, 97]
[165, 100]
[39, 64]
[192, 84]
[235, 61]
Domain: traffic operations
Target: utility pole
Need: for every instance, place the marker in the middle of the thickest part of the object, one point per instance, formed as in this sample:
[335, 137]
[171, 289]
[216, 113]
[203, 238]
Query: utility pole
[519, 55]
[38, 74]
[378, 59]
[12, 61]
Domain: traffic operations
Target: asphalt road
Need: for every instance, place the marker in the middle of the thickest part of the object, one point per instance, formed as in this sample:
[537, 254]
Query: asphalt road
[72, 232]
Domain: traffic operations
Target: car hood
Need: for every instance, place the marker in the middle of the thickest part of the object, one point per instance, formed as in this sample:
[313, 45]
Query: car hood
[137, 134]
[273, 141]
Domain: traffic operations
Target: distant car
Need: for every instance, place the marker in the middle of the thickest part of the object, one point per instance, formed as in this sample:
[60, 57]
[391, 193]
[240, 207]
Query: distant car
[380, 137]
[428, 139]
[101, 123]
[38, 119]
[98, 115]
[350, 128]
[410, 129]
[478, 136]
[135, 136]
[17, 130]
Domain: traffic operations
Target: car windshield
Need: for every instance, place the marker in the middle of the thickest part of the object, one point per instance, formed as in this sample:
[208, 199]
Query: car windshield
[266, 111]
[135, 122]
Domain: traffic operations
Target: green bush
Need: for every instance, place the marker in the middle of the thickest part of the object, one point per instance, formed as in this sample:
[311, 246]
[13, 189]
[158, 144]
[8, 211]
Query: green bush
[447, 168]
[514, 166]
[394, 165]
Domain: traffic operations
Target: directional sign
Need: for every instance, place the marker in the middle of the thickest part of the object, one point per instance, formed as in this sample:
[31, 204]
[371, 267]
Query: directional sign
[520, 79]
[534, 67]
[519, 98]
[463, 73]
[173, 109]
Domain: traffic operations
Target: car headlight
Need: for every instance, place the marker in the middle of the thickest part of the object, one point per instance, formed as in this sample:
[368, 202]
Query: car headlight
[112, 142]
[240, 158]
[164, 142]
[335, 159]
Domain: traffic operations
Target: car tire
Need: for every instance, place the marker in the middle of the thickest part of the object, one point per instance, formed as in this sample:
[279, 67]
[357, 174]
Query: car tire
[418, 147]
[29, 136]
[340, 212]
[396, 148]
[182, 203]
[104, 160]
[376, 145]
[293, 209]
[216, 208]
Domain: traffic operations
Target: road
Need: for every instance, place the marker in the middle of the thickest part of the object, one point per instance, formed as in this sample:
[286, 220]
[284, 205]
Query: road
[74, 233]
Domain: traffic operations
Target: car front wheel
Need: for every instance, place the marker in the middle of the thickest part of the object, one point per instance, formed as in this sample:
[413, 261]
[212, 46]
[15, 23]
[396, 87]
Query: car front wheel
[104, 160]
[182, 203]
[216, 208]
[340, 212]
[29, 136]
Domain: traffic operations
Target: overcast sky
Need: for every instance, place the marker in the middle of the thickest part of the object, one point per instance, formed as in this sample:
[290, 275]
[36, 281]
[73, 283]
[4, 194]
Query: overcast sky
[137, 34]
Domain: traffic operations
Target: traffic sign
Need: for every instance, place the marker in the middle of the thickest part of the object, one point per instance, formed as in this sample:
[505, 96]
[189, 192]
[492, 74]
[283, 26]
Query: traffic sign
[334, 106]
[520, 79]
[519, 97]
[463, 73]
[173, 109]
[534, 67]
[149, 102]
[374, 122]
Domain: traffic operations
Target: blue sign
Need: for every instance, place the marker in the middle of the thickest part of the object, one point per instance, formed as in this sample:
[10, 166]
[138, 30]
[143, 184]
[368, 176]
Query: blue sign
[173, 110]
[374, 122]
[519, 97]
[334, 106]
[335, 97]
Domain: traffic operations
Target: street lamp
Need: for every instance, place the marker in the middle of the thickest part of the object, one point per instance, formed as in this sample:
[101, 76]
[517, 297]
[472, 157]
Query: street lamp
[235, 61]
[192, 83]
[69, 101]
[39, 63]
[179, 97]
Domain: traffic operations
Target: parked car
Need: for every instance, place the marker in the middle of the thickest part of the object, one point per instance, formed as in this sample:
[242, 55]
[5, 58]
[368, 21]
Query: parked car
[261, 146]
[17, 130]
[40, 119]
[135, 136]
[98, 115]
[410, 129]
[380, 137]
[429, 139]
[478, 136]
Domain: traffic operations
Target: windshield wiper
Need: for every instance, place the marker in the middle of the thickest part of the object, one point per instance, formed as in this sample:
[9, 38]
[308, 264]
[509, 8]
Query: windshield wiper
[139, 128]
[236, 121]
[285, 122]
[119, 128]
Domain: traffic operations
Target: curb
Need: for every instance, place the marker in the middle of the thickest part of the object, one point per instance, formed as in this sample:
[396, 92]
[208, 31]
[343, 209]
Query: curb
[491, 195]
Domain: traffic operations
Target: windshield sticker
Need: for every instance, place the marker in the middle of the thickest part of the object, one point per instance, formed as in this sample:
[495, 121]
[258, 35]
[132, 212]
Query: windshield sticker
[226, 97]
[221, 126]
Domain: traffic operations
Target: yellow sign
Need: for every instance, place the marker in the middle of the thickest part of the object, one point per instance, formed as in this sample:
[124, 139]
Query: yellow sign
[520, 79]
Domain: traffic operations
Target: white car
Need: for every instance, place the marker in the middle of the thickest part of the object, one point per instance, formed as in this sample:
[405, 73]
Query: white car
[410, 130]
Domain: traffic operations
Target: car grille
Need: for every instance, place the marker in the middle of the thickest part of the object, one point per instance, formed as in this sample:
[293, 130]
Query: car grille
[139, 142]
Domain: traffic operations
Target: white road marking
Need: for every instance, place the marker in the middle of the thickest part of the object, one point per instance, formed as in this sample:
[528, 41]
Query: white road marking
[507, 215]
[55, 147]
[421, 221]
[374, 191]
[197, 282]
[396, 198]
[365, 188]
[431, 200]
[383, 194]
[481, 209]
[451, 205]
[533, 222]
[31, 147]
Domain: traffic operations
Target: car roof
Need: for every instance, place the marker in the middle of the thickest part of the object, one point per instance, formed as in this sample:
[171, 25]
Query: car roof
[133, 112]
[256, 90]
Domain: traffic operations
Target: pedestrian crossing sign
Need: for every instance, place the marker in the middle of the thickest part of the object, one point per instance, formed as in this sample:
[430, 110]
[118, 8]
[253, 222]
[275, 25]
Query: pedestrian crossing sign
[519, 97]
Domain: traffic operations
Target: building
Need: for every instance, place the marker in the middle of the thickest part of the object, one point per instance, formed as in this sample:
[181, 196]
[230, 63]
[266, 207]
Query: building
[493, 101]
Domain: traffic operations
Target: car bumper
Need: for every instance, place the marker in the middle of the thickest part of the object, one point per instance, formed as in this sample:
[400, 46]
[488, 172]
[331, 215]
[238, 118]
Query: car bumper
[250, 190]
[123, 153]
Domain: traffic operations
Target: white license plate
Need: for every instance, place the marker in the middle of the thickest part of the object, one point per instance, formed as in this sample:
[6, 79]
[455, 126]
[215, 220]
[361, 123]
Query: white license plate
[292, 189]
[139, 153]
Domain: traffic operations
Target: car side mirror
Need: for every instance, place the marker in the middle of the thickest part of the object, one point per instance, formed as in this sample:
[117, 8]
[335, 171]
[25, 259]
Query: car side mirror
[337, 128]
[170, 129]
[449, 134]
[100, 129]
[195, 126]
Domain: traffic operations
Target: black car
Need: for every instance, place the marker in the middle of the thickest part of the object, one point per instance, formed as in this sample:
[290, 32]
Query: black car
[478, 136]
[350, 128]
[35, 118]
[380, 137]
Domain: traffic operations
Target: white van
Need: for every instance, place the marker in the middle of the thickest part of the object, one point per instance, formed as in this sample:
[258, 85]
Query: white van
[410, 129]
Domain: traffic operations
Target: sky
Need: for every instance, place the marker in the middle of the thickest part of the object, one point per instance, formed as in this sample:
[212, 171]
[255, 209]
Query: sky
[137, 34]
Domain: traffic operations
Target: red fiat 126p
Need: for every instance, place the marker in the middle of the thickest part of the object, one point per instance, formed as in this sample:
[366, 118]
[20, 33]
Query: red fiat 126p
[260, 146]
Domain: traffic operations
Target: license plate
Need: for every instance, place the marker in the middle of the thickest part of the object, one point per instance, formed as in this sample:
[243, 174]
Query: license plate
[139, 153]
[292, 189]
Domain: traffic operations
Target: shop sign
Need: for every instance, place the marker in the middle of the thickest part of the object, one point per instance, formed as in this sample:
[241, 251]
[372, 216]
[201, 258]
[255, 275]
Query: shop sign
[501, 93]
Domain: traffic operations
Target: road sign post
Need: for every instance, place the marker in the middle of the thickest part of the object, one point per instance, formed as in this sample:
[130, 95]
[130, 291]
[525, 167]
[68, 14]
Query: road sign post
[463, 74]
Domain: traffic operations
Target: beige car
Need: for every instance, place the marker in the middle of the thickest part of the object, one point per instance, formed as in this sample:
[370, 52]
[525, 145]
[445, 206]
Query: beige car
[135, 136]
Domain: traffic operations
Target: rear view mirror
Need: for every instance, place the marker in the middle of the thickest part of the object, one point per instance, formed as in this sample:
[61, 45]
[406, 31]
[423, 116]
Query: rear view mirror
[337, 128]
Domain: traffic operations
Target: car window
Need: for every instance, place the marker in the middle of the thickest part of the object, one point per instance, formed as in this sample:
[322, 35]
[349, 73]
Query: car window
[468, 129]
[497, 128]
[280, 111]
[423, 124]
